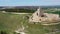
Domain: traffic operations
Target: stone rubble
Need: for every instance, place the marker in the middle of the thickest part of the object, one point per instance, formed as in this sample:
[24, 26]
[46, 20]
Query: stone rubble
[40, 16]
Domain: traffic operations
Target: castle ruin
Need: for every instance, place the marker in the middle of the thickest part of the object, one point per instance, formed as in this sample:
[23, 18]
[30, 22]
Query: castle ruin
[40, 16]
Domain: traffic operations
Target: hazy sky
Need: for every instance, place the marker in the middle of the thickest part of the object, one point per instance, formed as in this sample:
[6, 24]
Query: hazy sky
[29, 2]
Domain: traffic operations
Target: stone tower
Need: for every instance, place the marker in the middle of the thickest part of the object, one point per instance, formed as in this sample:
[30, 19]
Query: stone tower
[40, 12]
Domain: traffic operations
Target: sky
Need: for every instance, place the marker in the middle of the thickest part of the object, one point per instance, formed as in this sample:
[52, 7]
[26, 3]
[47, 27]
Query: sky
[29, 2]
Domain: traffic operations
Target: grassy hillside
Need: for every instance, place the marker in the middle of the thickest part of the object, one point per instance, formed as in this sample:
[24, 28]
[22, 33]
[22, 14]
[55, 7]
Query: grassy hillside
[10, 22]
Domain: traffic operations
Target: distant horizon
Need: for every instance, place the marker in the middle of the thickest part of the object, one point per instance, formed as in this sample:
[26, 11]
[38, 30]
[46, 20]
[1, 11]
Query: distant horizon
[29, 5]
[48, 5]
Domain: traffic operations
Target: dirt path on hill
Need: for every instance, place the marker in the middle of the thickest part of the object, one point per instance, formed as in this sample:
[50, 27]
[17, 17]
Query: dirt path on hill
[15, 12]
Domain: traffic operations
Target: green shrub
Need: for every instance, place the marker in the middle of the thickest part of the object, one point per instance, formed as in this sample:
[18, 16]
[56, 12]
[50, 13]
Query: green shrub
[3, 32]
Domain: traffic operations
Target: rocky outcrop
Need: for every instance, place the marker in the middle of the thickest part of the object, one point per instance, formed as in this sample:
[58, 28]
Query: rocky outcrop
[44, 17]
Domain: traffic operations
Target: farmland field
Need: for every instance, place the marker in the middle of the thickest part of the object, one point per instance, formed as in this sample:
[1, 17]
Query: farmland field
[10, 22]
